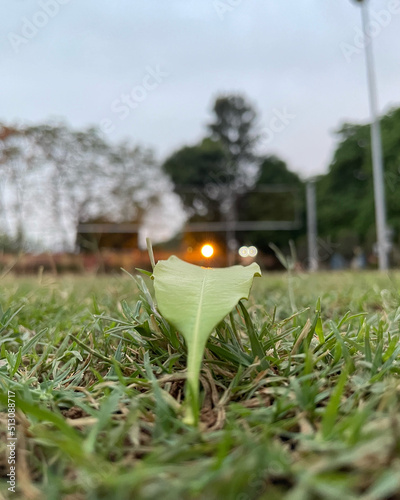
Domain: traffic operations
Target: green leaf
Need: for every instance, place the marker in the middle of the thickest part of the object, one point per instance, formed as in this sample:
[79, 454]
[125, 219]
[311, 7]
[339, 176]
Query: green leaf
[32, 409]
[194, 300]
[318, 327]
[332, 409]
[143, 271]
[255, 343]
[14, 360]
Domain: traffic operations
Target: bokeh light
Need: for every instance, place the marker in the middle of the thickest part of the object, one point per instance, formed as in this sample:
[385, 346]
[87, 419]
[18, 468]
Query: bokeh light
[248, 251]
[253, 251]
[243, 251]
[207, 250]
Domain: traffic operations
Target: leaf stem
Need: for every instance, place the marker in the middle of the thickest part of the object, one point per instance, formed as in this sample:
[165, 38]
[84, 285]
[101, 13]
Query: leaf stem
[192, 392]
[150, 252]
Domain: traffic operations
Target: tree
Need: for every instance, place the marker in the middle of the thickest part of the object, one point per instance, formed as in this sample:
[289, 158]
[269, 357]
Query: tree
[345, 194]
[219, 172]
[19, 165]
[196, 172]
[212, 174]
[54, 178]
[277, 196]
[234, 126]
[224, 163]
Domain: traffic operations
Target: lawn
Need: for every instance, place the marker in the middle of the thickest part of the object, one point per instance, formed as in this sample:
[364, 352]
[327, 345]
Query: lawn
[98, 378]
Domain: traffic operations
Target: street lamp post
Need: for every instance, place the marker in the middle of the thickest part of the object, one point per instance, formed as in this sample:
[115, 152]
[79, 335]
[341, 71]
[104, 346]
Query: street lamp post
[312, 233]
[376, 142]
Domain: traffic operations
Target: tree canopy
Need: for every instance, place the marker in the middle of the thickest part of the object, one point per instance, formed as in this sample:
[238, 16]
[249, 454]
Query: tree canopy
[196, 172]
[220, 166]
[235, 127]
[53, 177]
[345, 193]
[216, 176]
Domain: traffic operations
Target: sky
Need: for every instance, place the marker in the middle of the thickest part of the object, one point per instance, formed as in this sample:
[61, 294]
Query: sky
[149, 70]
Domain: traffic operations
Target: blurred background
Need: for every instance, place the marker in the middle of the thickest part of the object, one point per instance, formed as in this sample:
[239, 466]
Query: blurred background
[224, 130]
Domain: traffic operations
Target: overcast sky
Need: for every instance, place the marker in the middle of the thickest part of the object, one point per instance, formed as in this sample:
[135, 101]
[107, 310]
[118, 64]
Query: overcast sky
[297, 61]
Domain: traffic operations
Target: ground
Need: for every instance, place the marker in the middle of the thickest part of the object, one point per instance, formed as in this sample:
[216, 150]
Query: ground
[99, 383]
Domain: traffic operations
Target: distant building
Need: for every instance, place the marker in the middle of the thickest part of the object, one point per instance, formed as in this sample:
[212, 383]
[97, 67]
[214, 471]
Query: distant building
[99, 235]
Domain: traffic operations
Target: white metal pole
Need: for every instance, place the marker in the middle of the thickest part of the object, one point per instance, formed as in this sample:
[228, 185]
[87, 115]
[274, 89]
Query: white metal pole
[312, 226]
[376, 142]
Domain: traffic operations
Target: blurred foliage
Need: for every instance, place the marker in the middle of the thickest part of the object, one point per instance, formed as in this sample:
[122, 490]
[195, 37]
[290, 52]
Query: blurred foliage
[346, 196]
[60, 176]
[194, 170]
[221, 178]
[234, 125]
[211, 174]
[53, 177]
[8, 244]
[284, 204]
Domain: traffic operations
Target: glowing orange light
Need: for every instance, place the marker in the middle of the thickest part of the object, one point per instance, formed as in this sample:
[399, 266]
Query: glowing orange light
[207, 251]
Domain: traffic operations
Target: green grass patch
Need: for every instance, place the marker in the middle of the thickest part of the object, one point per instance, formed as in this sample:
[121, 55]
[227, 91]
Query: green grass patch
[300, 392]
